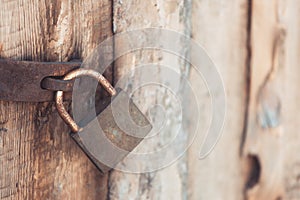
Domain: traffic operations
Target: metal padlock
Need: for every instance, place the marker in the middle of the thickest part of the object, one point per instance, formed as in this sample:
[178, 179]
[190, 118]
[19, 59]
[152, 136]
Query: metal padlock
[111, 135]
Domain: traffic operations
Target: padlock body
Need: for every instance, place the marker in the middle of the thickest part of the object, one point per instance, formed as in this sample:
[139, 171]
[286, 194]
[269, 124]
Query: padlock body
[114, 133]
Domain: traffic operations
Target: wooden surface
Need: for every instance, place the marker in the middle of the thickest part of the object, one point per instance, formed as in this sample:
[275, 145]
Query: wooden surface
[254, 44]
[221, 28]
[272, 134]
[170, 182]
[38, 159]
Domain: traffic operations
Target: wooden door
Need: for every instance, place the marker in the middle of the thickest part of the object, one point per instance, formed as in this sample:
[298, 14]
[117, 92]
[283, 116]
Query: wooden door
[253, 43]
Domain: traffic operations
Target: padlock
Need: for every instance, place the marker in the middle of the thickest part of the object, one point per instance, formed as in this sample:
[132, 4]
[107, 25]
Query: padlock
[110, 135]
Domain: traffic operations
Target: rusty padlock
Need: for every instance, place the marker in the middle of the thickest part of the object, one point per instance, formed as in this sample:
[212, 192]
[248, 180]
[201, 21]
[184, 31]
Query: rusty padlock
[111, 135]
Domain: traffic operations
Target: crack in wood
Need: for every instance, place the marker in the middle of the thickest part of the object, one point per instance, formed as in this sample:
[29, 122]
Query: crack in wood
[247, 75]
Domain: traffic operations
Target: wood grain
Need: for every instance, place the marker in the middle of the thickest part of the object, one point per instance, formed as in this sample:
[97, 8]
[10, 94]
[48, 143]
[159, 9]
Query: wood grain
[221, 28]
[170, 182]
[38, 159]
[254, 44]
[272, 134]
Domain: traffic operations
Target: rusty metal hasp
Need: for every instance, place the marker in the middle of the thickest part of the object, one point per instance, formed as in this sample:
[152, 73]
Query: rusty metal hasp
[33, 81]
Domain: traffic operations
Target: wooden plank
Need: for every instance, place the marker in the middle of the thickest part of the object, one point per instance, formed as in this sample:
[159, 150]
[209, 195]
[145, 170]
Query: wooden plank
[221, 28]
[170, 182]
[272, 135]
[38, 159]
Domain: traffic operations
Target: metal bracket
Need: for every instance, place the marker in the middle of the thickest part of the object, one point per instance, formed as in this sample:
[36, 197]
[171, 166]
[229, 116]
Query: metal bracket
[27, 81]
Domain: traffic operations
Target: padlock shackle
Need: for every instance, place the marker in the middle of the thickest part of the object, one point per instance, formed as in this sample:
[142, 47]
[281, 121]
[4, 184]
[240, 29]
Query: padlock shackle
[72, 75]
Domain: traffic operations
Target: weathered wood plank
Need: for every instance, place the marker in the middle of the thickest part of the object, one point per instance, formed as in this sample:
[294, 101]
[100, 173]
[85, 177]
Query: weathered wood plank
[168, 183]
[272, 135]
[38, 160]
[221, 27]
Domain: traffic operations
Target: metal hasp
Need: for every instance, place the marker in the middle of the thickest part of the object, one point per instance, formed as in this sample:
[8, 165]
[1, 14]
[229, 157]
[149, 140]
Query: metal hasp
[114, 133]
[22, 80]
